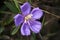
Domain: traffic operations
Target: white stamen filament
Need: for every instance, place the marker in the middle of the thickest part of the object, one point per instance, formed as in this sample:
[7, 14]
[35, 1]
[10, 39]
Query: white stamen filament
[28, 17]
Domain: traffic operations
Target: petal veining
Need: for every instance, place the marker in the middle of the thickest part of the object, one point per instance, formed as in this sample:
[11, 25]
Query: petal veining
[25, 8]
[35, 26]
[25, 29]
[37, 13]
[18, 19]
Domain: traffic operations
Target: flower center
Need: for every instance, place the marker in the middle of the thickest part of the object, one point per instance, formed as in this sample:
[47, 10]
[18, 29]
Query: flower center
[28, 17]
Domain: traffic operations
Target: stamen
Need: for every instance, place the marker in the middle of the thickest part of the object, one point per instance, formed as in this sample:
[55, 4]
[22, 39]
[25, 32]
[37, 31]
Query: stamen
[28, 17]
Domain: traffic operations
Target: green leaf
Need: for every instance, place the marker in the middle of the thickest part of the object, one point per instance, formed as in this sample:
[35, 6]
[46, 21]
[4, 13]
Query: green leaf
[43, 21]
[12, 7]
[14, 31]
[30, 1]
[22, 1]
[16, 3]
[33, 36]
[1, 29]
[51, 34]
[5, 12]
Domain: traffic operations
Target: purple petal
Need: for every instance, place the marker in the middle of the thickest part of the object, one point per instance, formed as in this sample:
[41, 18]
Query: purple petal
[25, 29]
[35, 26]
[37, 13]
[18, 19]
[25, 8]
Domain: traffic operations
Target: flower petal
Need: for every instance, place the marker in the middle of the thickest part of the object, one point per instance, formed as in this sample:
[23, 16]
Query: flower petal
[25, 29]
[35, 26]
[37, 13]
[18, 19]
[25, 8]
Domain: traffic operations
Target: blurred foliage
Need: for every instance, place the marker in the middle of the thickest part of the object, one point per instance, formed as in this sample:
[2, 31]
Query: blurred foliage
[12, 7]
[50, 20]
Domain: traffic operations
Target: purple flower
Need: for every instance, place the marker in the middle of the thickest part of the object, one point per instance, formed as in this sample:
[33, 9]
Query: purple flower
[28, 19]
